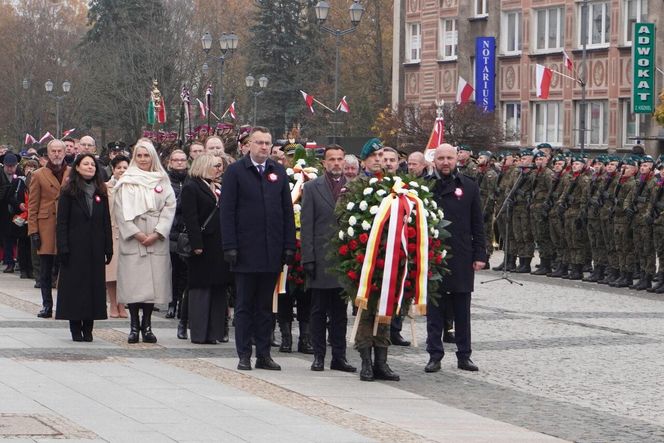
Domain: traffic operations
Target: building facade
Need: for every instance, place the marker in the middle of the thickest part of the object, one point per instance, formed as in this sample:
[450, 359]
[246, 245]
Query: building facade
[434, 45]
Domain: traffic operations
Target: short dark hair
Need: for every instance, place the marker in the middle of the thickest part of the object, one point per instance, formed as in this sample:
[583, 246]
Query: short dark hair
[333, 147]
[261, 129]
[68, 139]
[119, 159]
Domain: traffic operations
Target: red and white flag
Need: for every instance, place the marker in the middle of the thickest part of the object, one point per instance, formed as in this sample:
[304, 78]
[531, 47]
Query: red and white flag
[309, 100]
[201, 108]
[67, 132]
[343, 105]
[29, 140]
[543, 77]
[464, 91]
[569, 64]
[231, 110]
[45, 137]
[437, 137]
[161, 114]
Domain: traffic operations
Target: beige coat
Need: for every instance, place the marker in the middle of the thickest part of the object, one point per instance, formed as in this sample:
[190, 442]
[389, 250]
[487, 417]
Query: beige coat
[112, 267]
[43, 207]
[144, 274]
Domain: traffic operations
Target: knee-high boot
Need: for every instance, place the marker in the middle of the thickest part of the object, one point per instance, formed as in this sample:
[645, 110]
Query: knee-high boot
[146, 324]
[134, 323]
[381, 369]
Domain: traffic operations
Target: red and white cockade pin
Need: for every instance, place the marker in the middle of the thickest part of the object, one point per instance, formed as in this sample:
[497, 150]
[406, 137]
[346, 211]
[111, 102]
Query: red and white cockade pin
[458, 192]
[272, 177]
[97, 199]
[218, 192]
[158, 189]
[14, 177]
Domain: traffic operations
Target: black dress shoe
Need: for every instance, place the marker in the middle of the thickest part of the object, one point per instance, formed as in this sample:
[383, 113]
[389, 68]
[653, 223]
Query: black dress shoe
[171, 312]
[45, 313]
[433, 365]
[37, 284]
[467, 365]
[9, 269]
[87, 336]
[267, 363]
[448, 337]
[318, 364]
[398, 340]
[182, 330]
[244, 364]
[342, 365]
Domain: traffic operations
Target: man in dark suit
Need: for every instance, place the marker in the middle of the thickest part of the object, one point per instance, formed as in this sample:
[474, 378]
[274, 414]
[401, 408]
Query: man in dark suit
[319, 226]
[459, 198]
[258, 231]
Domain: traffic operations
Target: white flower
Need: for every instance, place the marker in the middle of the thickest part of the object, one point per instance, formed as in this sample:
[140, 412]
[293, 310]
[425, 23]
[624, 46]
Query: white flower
[297, 176]
[434, 205]
[436, 233]
[352, 221]
[414, 192]
[341, 235]
[367, 191]
[292, 185]
[366, 225]
[297, 208]
[410, 220]
[363, 205]
[350, 206]
[381, 192]
[413, 184]
[426, 213]
[290, 171]
[426, 202]
[434, 218]
[301, 162]
[444, 253]
[387, 178]
[373, 180]
[351, 232]
[440, 214]
[373, 210]
[432, 230]
[424, 188]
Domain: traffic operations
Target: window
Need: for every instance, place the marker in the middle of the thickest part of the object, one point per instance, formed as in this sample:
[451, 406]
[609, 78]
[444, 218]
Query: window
[633, 11]
[630, 123]
[448, 39]
[511, 38]
[480, 8]
[548, 122]
[413, 43]
[597, 122]
[595, 24]
[549, 29]
[512, 122]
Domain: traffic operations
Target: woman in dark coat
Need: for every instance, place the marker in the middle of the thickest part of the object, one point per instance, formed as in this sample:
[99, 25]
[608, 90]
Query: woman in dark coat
[85, 246]
[209, 274]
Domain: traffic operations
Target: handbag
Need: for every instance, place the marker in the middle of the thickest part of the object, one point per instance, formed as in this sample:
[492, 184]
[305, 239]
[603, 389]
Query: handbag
[183, 246]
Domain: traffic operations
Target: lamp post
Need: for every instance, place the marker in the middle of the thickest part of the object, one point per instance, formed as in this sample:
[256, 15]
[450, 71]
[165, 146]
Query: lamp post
[228, 45]
[66, 87]
[262, 84]
[356, 11]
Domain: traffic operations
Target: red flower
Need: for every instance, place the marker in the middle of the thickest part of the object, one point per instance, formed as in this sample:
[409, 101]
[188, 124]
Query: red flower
[353, 245]
[412, 274]
[352, 275]
[437, 243]
[430, 254]
[380, 263]
[364, 238]
[411, 232]
[411, 248]
[439, 259]
[343, 250]
[374, 288]
[359, 258]
[298, 256]
[408, 284]
[429, 274]
[299, 281]
[299, 269]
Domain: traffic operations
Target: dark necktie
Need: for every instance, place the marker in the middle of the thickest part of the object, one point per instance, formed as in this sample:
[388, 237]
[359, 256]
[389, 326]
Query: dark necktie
[260, 169]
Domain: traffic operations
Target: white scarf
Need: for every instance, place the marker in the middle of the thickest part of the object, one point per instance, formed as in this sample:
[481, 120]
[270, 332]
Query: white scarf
[137, 191]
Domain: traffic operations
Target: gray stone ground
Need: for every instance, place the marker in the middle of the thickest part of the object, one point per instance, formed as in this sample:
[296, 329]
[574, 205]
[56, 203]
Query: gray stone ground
[572, 360]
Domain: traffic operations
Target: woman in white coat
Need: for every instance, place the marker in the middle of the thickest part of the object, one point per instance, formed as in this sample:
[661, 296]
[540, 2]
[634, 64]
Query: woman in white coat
[144, 210]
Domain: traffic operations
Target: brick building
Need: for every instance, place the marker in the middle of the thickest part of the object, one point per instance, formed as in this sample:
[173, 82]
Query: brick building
[434, 44]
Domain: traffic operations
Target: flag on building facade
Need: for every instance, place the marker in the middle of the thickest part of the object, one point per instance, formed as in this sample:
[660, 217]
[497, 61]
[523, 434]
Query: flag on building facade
[543, 80]
[569, 64]
[464, 91]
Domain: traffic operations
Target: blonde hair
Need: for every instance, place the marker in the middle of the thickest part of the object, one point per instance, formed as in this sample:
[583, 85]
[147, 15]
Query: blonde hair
[146, 144]
[202, 164]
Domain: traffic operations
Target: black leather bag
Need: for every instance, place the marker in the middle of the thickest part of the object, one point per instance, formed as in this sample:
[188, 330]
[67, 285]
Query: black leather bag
[183, 246]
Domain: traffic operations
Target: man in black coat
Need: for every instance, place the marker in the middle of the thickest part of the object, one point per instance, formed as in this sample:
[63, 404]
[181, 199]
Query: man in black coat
[459, 198]
[258, 231]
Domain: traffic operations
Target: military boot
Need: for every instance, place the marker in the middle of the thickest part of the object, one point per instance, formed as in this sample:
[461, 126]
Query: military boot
[596, 274]
[554, 266]
[660, 290]
[576, 272]
[366, 373]
[625, 281]
[561, 271]
[304, 342]
[609, 275]
[511, 263]
[658, 283]
[286, 337]
[645, 283]
[638, 282]
[524, 265]
[134, 323]
[500, 266]
[381, 370]
[545, 267]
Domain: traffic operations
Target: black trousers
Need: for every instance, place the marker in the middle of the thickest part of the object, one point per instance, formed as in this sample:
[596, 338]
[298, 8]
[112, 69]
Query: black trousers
[46, 268]
[178, 279]
[207, 313]
[24, 255]
[253, 312]
[9, 241]
[329, 303]
[396, 325]
[436, 316]
[292, 297]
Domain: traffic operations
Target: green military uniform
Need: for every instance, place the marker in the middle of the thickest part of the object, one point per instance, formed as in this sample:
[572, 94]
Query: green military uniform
[610, 187]
[655, 212]
[469, 168]
[539, 217]
[504, 183]
[487, 179]
[595, 237]
[622, 234]
[523, 233]
[557, 226]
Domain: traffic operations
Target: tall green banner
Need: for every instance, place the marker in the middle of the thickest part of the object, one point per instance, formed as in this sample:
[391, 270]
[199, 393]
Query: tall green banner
[643, 77]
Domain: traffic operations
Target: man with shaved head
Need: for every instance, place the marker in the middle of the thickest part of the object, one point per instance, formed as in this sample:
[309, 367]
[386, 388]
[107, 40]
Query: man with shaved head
[459, 197]
[87, 145]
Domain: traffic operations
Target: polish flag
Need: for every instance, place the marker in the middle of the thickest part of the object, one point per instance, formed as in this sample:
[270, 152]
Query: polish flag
[201, 108]
[543, 76]
[309, 100]
[45, 137]
[231, 110]
[67, 132]
[29, 140]
[437, 137]
[464, 91]
[569, 64]
[343, 105]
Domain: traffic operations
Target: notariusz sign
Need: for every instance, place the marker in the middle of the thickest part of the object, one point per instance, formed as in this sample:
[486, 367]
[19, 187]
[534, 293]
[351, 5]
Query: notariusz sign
[643, 77]
[485, 72]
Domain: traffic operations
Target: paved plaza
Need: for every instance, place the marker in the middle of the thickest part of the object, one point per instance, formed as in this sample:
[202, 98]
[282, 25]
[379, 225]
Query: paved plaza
[559, 361]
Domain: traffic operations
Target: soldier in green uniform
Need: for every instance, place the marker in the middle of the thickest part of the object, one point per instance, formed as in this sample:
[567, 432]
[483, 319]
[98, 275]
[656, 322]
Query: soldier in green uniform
[520, 201]
[556, 234]
[636, 207]
[622, 234]
[466, 164]
[597, 245]
[572, 208]
[655, 214]
[539, 212]
[506, 176]
[606, 200]
[487, 179]
[557, 221]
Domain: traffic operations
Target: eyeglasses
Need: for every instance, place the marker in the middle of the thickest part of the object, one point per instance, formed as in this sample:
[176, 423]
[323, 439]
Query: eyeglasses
[264, 143]
[179, 160]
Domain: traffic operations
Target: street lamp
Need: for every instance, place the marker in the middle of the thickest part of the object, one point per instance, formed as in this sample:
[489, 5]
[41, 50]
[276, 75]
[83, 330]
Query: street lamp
[262, 84]
[66, 87]
[356, 11]
[25, 83]
[227, 44]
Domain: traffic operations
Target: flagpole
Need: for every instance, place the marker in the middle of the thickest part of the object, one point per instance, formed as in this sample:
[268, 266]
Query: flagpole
[582, 82]
[317, 101]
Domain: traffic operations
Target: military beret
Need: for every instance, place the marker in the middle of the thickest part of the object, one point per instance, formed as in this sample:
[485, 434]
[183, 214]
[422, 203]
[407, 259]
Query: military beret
[576, 157]
[646, 159]
[464, 148]
[602, 158]
[371, 146]
[559, 158]
[613, 158]
[486, 153]
[525, 152]
[539, 153]
[544, 146]
[630, 160]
